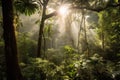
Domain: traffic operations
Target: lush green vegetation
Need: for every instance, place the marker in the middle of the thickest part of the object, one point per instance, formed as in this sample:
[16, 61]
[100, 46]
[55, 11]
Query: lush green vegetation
[81, 44]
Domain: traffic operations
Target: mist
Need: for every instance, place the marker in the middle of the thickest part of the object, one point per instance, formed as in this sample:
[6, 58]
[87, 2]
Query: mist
[65, 29]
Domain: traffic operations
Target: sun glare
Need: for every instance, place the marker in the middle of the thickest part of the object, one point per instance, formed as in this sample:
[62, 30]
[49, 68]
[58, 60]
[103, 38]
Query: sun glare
[63, 10]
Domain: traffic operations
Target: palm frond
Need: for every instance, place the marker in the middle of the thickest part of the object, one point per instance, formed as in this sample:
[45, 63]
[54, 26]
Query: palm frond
[27, 7]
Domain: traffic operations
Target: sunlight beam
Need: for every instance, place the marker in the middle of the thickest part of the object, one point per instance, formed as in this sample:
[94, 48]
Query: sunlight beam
[63, 10]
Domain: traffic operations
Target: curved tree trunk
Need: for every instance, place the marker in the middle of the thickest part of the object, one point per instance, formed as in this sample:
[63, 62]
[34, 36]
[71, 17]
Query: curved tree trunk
[42, 23]
[13, 70]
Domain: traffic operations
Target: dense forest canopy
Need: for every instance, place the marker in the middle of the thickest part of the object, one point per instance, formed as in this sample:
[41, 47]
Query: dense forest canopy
[59, 40]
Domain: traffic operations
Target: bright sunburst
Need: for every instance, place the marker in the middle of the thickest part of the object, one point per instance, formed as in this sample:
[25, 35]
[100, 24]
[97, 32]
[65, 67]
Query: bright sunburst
[63, 10]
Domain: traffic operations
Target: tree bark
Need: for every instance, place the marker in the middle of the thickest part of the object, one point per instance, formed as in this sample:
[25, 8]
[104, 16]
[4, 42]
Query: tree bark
[39, 53]
[12, 67]
[44, 17]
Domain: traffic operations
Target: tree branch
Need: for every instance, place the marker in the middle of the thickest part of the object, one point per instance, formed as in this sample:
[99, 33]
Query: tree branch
[51, 15]
[40, 2]
[97, 9]
[87, 8]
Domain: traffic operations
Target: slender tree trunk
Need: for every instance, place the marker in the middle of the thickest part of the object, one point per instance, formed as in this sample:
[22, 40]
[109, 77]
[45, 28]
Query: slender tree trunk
[39, 53]
[79, 35]
[13, 70]
[86, 40]
[103, 40]
[44, 17]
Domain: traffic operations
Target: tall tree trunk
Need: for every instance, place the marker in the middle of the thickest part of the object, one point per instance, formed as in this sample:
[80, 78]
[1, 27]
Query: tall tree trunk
[86, 40]
[79, 35]
[39, 53]
[44, 17]
[13, 70]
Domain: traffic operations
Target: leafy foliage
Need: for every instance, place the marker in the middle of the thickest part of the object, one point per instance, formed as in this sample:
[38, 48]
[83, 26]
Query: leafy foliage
[65, 63]
[110, 27]
[27, 7]
[26, 47]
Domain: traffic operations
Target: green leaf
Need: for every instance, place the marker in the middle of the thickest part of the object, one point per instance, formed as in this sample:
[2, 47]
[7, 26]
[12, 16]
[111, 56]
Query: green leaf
[26, 7]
